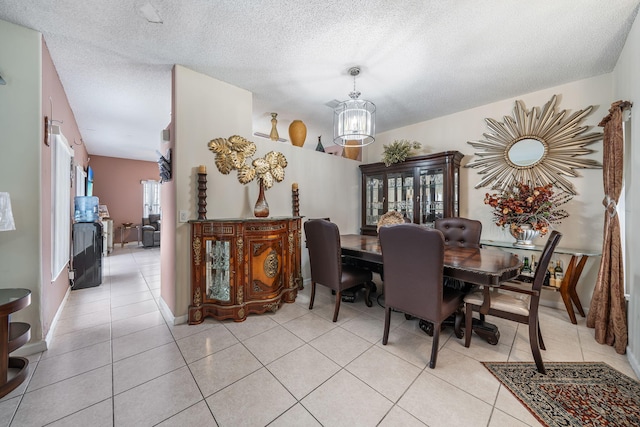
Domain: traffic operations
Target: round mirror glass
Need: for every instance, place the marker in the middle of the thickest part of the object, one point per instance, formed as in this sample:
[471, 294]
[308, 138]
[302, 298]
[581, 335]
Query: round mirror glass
[526, 152]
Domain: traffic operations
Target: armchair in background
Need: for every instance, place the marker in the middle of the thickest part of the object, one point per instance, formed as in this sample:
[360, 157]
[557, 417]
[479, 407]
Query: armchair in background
[151, 231]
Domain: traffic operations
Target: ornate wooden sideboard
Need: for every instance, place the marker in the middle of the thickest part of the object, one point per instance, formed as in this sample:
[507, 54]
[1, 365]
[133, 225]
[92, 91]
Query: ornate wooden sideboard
[243, 266]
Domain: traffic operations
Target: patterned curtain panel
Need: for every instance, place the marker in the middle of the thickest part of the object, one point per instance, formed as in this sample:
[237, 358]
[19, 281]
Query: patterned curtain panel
[607, 312]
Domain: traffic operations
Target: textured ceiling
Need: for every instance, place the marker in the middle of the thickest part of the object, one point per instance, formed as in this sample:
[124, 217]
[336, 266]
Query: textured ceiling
[419, 59]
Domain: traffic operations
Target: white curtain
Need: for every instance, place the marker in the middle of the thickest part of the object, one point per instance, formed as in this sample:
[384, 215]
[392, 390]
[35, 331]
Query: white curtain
[150, 198]
[61, 205]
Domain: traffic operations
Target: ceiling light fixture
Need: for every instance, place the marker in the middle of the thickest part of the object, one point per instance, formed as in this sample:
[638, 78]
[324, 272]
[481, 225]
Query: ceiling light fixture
[354, 120]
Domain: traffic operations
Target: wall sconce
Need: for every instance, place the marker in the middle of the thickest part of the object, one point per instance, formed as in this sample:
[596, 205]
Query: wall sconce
[50, 128]
[2, 82]
[6, 216]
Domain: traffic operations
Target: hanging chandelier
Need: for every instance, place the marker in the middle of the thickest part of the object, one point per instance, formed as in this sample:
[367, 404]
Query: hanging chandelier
[354, 120]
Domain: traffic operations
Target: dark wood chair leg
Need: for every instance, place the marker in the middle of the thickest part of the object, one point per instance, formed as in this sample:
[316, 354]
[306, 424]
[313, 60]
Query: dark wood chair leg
[468, 319]
[335, 312]
[535, 350]
[367, 293]
[540, 338]
[313, 295]
[434, 346]
[387, 320]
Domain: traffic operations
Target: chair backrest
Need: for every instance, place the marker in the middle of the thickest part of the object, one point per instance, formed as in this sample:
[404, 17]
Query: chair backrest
[152, 220]
[461, 232]
[325, 254]
[545, 258]
[413, 260]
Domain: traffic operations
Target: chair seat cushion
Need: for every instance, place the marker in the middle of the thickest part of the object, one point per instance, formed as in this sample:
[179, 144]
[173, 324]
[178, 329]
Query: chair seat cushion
[503, 301]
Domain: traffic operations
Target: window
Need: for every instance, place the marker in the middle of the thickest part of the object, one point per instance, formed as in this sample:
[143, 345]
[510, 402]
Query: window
[150, 198]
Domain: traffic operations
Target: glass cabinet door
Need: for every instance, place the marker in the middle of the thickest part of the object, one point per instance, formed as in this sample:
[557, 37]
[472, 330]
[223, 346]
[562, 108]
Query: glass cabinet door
[374, 199]
[431, 187]
[422, 188]
[217, 265]
[400, 193]
[456, 193]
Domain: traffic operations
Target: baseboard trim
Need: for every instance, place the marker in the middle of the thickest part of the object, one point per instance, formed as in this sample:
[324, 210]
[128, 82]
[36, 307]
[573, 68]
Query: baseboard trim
[34, 347]
[633, 361]
[168, 315]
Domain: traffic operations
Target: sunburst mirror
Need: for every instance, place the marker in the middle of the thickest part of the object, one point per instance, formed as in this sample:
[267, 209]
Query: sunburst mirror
[537, 147]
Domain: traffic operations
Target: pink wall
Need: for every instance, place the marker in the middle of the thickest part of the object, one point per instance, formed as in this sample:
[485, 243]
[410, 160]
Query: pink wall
[54, 100]
[117, 185]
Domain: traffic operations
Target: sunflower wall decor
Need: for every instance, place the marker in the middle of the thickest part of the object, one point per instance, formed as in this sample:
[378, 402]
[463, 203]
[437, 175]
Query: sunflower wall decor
[537, 147]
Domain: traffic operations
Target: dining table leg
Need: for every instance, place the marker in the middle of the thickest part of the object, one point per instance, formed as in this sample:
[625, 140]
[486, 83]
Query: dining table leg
[569, 284]
[485, 330]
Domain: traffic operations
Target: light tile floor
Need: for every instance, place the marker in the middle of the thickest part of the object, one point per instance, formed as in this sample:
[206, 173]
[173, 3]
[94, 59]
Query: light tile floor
[114, 361]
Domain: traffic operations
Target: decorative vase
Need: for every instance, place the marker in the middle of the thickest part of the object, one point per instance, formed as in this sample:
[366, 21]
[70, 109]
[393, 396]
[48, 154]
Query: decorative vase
[351, 152]
[297, 133]
[524, 238]
[273, 135]
[261, 209]
[319, 147]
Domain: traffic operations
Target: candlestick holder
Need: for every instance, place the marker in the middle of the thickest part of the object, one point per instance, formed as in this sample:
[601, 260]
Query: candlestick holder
[202, 195]
[295, 200]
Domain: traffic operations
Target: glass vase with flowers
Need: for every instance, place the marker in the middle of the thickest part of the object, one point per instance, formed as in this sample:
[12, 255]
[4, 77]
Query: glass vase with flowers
[527, 210]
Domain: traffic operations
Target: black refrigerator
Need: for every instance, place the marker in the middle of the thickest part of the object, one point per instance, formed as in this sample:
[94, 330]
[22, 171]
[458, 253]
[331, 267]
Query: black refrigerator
[87, 254]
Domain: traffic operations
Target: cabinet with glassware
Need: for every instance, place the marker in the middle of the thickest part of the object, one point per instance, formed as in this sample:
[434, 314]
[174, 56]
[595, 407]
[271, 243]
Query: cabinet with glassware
[243, 266]
[422, 188]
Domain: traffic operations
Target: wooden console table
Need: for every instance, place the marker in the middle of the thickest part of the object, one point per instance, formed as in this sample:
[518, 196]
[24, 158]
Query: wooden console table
[13, 335]
[243, 266]
[571, 276]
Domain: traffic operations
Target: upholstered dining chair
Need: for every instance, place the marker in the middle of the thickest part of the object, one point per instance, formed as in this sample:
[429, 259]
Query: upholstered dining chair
[413, 261]
[462, 232]
[327, 268]
[517, 301]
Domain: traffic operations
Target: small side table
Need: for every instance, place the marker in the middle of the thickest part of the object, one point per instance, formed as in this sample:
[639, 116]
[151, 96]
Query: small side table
[13, 335]
[572, 273]
[124, 232]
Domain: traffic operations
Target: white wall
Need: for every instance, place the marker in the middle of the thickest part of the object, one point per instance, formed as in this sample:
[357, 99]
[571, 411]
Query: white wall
[583, 229]
[21, 125]
[627, 87]
[204, 109]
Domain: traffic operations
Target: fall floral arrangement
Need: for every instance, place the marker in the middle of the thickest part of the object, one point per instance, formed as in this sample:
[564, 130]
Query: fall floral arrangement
[521, 204]
[398, 151]
[233, 153]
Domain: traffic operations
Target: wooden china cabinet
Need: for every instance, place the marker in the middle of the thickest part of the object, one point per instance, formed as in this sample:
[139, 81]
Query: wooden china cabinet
[421, 188]
[243, 266]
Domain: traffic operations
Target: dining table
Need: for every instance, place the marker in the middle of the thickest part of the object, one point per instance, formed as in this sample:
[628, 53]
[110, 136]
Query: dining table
[486, 267]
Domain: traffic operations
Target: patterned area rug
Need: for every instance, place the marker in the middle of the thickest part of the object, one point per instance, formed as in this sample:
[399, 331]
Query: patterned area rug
[573, 394]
